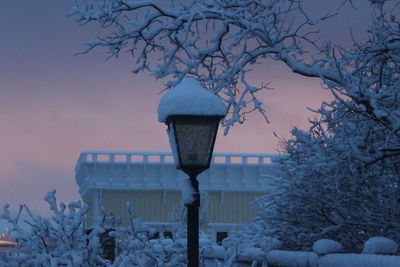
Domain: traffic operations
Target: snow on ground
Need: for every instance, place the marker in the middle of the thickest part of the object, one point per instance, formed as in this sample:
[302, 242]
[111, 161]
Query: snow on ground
[292, 258]
[359, 260]
[380, 245]
[326, 246]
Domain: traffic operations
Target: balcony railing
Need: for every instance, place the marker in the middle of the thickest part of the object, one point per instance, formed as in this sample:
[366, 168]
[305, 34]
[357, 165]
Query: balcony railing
[166, 157]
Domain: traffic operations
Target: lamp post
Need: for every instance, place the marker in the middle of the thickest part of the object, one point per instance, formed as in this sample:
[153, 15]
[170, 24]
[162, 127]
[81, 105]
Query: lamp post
[192, 115]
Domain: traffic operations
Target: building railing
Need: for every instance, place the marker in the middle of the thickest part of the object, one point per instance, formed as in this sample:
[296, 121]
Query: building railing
[166, 157]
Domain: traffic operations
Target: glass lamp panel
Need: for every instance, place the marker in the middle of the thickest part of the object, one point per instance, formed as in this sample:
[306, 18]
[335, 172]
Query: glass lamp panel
[195, 140]
[172, 143]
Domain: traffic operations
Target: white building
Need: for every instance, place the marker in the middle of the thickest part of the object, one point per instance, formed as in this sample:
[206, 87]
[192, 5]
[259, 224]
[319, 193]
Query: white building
[151, 182]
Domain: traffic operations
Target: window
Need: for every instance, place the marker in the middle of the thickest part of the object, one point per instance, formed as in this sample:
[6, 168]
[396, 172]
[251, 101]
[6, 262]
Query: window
[221, 236]
[155, 235]
[168, 234]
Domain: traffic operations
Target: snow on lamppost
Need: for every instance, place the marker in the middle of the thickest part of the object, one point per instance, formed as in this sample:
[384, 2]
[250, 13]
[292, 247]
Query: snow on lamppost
[192, 115]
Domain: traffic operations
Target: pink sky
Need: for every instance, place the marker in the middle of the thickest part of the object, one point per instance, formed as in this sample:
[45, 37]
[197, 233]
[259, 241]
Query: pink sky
[54, 105]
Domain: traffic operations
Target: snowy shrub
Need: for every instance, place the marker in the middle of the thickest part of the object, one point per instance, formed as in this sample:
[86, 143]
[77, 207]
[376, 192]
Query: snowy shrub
[327, 246]
[326, 192]
[137, 248]
[214, 252]
[254, 236]
[341, 177]
[63, 240]
[380, 245]
[60, 240]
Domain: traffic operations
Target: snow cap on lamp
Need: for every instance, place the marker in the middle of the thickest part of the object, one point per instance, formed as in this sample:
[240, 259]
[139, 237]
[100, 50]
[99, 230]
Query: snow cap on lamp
[190, 98]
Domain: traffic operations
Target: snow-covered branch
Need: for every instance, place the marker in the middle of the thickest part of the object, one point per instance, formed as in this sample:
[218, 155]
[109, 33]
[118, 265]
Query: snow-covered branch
[215, 41]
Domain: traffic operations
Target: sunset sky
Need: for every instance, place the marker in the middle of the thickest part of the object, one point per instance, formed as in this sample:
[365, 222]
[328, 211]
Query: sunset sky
[53, 105]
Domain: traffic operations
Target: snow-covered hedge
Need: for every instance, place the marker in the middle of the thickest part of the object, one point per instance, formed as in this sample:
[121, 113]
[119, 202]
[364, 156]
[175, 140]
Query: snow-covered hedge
[64, 240]
[282, 258]
[138, 249]
[310, 259]
[61, 240]
[380, 245]
[326, 253]
[249, 243]
[327, 246]
[358, 260]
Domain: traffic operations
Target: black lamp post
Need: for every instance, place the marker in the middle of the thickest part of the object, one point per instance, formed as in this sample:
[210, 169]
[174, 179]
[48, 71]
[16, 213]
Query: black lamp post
[193, 137]
[192, 128]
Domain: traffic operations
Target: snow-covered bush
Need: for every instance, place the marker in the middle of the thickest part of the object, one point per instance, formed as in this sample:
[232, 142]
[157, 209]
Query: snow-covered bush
[380, 245]
[341, 178]
[254, 236]
[60, 240]
[327, 246]
[326, 191]
[63, 240]
[137, 248]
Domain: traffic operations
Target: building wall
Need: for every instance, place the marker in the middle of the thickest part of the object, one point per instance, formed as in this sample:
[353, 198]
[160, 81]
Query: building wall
[231, 207]
[149, 206]
[88, 200]
[158, 206]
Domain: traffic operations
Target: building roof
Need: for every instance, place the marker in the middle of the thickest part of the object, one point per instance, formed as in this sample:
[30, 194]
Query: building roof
[156, 171]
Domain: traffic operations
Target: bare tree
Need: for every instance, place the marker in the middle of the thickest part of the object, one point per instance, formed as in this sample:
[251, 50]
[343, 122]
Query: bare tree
[219, 41]
[216, 41]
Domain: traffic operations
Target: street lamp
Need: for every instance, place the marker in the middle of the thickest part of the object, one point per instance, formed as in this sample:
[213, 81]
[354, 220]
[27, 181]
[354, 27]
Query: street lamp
[192, 115]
